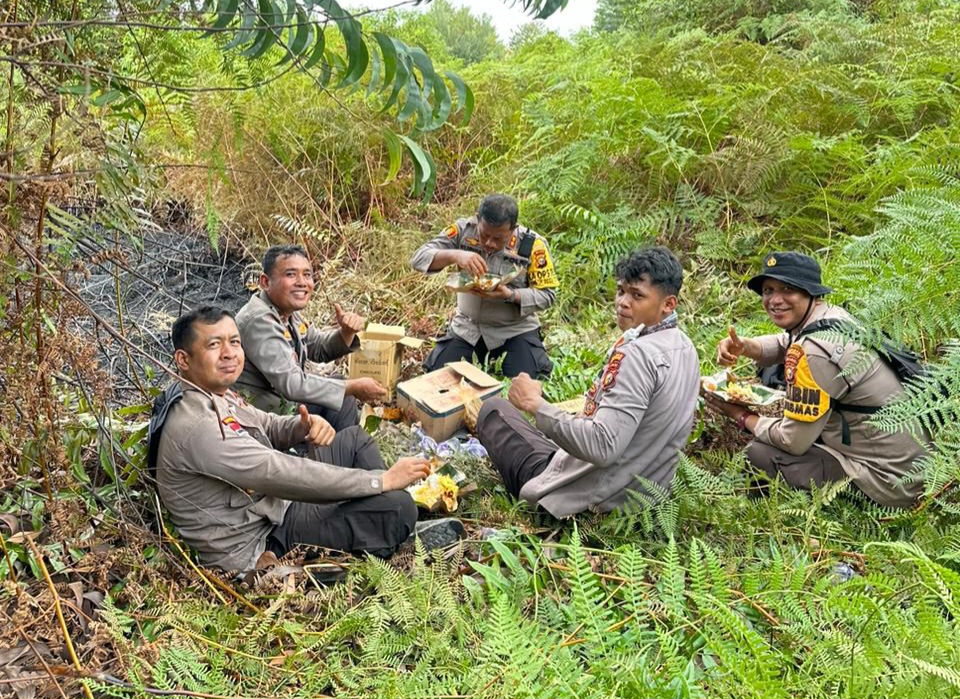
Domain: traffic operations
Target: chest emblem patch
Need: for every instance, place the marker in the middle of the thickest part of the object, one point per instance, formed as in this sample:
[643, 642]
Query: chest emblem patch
[233, 425]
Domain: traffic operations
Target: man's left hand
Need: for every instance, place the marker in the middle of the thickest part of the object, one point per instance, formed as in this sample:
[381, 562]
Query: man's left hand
[319, 431]
[350, 323]
[525, 393]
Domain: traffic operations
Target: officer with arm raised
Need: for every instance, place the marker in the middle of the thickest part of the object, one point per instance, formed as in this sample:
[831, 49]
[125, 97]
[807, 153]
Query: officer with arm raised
[278, 341]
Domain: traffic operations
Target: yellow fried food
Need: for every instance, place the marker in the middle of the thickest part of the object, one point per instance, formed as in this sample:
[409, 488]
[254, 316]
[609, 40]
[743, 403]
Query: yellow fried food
[742, 393]
[434, 489]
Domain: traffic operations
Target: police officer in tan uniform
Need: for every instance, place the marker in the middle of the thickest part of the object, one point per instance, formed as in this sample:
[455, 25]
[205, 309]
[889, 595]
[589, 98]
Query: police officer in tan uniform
[636, 418]
[278, 341]
[825, 433]
[232, 495]
[501, 322]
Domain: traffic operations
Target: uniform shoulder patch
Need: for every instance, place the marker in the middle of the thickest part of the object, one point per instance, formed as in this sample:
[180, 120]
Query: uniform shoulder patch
[303, 328]
[805, 400]
[609, 378]
[452, 231]
[541, 273]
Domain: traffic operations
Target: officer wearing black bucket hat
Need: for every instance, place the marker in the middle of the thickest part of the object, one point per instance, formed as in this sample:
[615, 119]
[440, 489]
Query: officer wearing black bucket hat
[793, 268]
[824, 433]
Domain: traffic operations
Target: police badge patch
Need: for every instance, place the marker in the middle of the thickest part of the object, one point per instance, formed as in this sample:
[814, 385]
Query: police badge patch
[541, 273]
[805, 401]
[609, 378]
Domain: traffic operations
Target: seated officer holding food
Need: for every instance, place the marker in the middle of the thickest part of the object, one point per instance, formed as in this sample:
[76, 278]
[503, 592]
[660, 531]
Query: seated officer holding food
[501, 321]
[825, 432]
[233, 495]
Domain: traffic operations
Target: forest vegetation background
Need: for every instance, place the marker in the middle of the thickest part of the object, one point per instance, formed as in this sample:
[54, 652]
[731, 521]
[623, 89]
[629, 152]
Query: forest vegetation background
[721, 129]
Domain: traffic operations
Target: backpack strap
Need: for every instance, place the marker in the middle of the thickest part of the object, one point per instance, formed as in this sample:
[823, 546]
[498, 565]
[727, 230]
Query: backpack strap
[158, 416]
[841, 408]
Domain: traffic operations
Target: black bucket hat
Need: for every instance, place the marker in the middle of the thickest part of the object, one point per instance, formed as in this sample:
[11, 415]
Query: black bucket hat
[793, 268]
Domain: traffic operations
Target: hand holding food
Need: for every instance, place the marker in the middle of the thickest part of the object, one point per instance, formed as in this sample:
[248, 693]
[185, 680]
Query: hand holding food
[436, 488]
[472, 262]
[407, 470]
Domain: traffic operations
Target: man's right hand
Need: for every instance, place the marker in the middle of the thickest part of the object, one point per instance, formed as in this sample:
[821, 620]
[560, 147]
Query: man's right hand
[730, 348]
[471, 262]
[365, 389]
[407, 470]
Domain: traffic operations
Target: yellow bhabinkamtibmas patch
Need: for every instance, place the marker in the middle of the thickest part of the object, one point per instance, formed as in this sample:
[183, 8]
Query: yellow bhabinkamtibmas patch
[805, 400]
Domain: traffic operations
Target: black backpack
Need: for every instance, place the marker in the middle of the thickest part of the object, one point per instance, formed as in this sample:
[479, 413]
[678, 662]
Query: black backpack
[904, 362]
[161, 406]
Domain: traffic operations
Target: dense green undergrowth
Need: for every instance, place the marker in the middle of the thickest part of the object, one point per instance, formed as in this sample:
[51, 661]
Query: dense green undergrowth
[723, 130]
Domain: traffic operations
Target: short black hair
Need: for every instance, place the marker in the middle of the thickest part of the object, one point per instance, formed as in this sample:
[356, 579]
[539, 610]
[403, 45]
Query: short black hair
[275, 252]
[660, 265]
[498, 209]
[182, 333]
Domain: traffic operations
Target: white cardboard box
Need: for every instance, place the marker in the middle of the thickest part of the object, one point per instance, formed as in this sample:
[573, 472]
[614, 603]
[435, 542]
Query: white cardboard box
[437, 399]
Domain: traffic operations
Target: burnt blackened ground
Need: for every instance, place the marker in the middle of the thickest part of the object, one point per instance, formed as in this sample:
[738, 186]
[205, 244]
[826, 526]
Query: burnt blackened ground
[139, 287]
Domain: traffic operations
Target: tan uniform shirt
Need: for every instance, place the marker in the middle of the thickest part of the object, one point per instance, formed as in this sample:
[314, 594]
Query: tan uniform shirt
[636, 419]
[225, 485]
[275, 377]
[882, 464]
[496, 320]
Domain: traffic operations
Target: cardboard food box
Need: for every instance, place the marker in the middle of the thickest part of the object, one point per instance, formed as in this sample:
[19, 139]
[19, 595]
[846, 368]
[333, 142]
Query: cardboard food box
[437, 399]
[380, 354]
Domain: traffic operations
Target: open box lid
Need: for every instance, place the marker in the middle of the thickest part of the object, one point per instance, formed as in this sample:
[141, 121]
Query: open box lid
[390, 333]
[474, 375]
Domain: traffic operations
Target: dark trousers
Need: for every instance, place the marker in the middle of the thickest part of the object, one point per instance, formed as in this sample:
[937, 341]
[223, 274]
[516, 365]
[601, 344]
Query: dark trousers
[376, 525]
[518, 450]
[523, 353]
[346, 416]
[816, 466]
